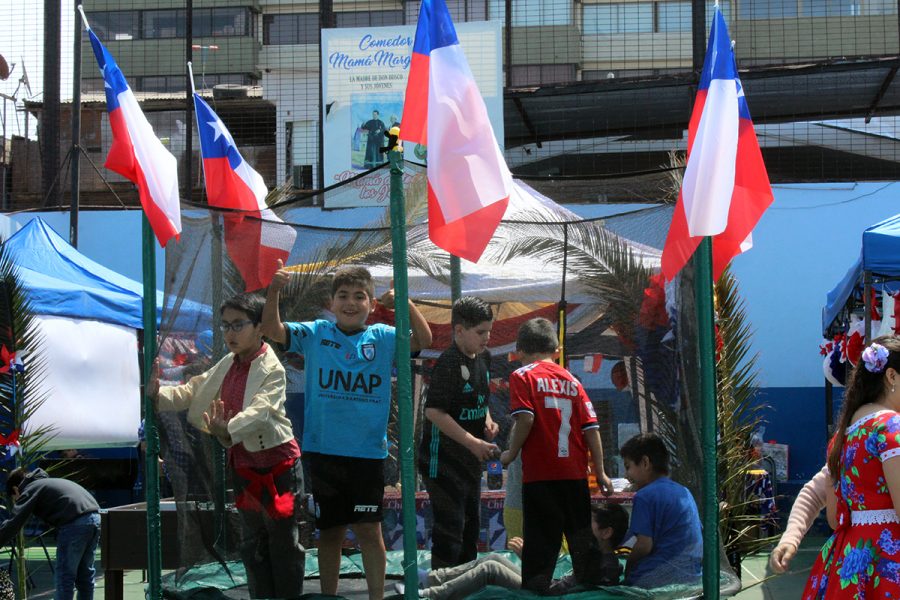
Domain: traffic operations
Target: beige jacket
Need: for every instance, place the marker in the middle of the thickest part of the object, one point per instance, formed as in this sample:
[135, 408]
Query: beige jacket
[262, 424]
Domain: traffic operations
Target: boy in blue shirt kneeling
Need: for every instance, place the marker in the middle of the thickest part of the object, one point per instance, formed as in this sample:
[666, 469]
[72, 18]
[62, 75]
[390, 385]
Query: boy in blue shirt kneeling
[669, 545]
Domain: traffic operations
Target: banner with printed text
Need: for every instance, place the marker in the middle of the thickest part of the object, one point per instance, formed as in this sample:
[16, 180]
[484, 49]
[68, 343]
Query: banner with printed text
[364, 72]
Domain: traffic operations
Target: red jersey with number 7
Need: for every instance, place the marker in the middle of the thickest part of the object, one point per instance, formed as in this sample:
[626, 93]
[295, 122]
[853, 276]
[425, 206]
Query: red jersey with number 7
[555, 447]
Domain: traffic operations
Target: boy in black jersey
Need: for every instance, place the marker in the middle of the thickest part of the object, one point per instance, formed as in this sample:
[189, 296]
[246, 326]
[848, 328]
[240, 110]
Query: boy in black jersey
[456, 435]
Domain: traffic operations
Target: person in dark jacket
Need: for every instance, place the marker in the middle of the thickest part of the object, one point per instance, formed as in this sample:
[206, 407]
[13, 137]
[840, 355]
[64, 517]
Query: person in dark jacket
[69, 508]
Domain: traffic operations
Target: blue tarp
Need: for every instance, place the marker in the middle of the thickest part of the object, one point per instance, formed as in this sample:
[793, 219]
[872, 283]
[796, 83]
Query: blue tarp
[63, 282]
[879, 256]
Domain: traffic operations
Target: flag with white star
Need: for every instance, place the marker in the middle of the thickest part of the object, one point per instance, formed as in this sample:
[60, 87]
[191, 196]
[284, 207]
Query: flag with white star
[254, 235]
[136, 153]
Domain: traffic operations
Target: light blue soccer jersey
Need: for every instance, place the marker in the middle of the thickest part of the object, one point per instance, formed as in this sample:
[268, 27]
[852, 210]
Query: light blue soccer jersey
[348, 387]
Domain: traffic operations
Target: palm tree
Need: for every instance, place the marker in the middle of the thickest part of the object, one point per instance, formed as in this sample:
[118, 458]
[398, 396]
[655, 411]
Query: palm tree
[739, 415]
[603, 262]
[21, 392]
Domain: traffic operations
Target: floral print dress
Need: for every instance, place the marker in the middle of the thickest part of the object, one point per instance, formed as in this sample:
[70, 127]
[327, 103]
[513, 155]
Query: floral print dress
[861, 560]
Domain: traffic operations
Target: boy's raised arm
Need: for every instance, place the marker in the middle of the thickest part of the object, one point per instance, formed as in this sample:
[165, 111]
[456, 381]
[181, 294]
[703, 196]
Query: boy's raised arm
[272, 327]
[421, 330]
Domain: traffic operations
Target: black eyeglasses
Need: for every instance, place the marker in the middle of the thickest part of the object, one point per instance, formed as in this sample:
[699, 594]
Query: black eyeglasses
[234, 326]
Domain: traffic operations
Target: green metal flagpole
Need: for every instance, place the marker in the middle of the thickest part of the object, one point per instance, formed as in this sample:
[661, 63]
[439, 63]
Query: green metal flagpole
[151, 467]
[703, 291]
[404, 375]
[455, 278]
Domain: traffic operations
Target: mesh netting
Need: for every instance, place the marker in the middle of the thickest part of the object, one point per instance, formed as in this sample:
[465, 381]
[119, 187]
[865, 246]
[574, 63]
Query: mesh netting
[631, 342]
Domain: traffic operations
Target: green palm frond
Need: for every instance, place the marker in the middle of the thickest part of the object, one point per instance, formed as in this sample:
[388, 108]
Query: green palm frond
[309, 288]
[20, 395]
[739, 415]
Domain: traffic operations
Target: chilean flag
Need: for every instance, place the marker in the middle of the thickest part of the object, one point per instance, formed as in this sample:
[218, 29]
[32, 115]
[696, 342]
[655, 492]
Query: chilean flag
[255, 238]
[592, 363]
[137, 153]
[468, 181]
[726, 188]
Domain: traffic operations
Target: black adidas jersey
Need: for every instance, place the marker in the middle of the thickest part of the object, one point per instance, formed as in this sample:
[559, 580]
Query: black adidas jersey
[460, 386]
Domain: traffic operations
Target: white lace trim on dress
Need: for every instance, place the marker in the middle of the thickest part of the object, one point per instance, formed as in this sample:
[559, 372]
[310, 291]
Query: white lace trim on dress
[862, 420]
[873, 517]
[889, 454]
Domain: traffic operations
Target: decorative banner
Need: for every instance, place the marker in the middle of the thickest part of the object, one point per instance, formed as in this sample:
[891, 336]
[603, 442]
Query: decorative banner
[592, 362]
[364, 72]
[11, 443]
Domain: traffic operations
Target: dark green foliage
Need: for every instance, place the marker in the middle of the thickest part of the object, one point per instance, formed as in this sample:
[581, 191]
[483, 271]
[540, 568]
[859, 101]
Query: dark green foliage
[739, 416]
[20, 395]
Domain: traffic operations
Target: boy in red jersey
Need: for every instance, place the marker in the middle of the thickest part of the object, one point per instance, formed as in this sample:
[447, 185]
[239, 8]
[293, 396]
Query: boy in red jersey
[554, 426]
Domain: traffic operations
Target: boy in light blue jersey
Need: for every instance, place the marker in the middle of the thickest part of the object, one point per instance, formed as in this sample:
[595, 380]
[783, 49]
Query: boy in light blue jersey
[348, 398]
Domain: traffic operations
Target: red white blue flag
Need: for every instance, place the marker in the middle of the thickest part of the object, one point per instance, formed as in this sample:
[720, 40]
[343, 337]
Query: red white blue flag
[726, 187]
[254, 236]
[136, 153]
[468, 181]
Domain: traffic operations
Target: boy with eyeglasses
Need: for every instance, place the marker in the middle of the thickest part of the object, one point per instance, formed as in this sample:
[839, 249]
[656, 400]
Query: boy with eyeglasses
[241, 402]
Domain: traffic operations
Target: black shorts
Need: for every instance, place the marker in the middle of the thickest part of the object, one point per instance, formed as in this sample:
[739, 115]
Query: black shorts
[346, 489]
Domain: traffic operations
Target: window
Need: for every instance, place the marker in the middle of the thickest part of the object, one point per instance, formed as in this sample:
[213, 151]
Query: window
[221, 22]
[283, 29]
[830, 8]
[92, 85]
[638, 17]
[460, 10]
[115, 25]
[467, 10]
[163, 24]
[522, 75]
[630, 17]
[302, 177]
[162, 83]
[878, 7]
[375, 18]
[533, 12]
[767, 9]
[677, 16]
[207, 22]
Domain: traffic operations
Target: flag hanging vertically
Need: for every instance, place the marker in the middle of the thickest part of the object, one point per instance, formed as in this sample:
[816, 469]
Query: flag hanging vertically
[468, 181]
[136, 153]
[726, 188]
[255, 237]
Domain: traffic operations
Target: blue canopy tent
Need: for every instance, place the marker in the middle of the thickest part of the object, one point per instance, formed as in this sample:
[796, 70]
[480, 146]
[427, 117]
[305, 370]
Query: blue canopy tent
[90, 318]
[877, 268]
[63, 282]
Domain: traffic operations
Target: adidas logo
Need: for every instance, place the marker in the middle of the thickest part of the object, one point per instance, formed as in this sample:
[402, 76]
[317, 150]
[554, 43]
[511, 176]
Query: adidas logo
[467, 388]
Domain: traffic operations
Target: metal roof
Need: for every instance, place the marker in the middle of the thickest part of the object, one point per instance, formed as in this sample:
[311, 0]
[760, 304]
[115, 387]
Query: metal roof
[660, 107]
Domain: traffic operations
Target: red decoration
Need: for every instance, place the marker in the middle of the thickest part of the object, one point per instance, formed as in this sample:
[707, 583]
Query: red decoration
[6, 358]
[10, 440]
[281, 506]
[653, 308]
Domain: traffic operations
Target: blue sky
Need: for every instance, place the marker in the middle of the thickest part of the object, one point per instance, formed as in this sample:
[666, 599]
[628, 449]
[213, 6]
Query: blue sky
[21, 41]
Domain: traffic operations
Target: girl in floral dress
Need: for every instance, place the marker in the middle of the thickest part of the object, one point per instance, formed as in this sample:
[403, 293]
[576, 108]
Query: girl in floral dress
[861, 560]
